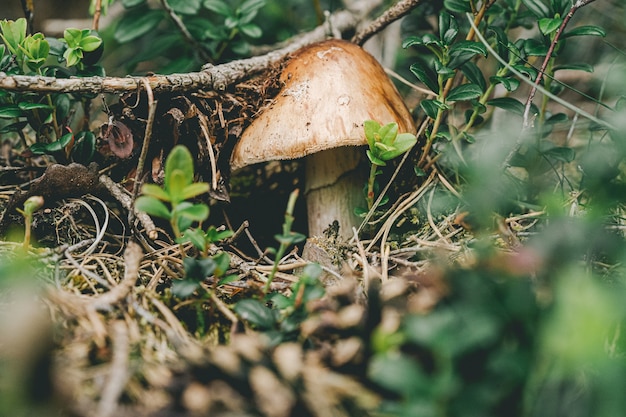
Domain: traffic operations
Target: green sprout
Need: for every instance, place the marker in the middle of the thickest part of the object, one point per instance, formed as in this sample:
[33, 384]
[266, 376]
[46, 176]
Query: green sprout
[31, 205]
[385, 144]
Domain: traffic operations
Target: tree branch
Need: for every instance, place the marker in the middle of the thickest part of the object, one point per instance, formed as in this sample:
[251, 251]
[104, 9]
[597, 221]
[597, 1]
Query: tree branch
[212, 77]
[392, 14]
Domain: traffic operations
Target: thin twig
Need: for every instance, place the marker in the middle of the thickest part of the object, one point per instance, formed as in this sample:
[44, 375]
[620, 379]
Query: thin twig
[529, 101]
[197, 46]
[96, 15]
[390, 15]
[118, 371]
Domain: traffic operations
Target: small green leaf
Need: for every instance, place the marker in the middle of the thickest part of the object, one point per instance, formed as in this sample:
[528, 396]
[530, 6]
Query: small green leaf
[132, 3]
[9, 112]
[430, 107]
[155, 191]
[90, 43]
[371, 128]
[397, 373]
[537, 8]
[448, 28]
[73, 56]
[183, 288]
[218, 6]
[189, 7]
[586, 30]
[575, 67]
[194, 212]
[388, 133]
[13, 33]
[474, 75]
[256, 313]
[196, 237]
[507, 103]
[458, 6]
[153, 207]
[533, 47]
[32, 106]
[510, 83]
[374, 159]
[426, 76]
[228, 279]
[250, 6]
[549, 25]
[137, 23]
[195, 189]
[465, 92]
[179, 160]
[251, 30]
[222, 263]
[198, 269]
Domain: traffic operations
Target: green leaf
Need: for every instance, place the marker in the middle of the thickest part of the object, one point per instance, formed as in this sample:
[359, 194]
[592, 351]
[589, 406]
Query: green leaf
[471, 47]
[14, 127]
[507, 103]
[222, 263]
[228, 279]
[72, 37]
[430, 107]
[256, 313]
[198, 269]
[465, 92]
[474, 75]
[388, 133]
[586, 30]
[137, 23]
[251, 6]
[458, 6]
[448, 28]
[374, 159]
[403, 143]
[251, 30]
[179, 160]
[510, 83]
[195, 189]
[155, 191]
[90, 43]
[549, 25]
[537, 8]
[9, 112]
[153, 207]
[575, 67]
[426, 76]
[371, 128]
[32, 106]
[290, 239]
[218, 6]
[73, 56]
[84, 148]
[533, 47]
[183, 288]
[194, 212]
[196, 237]
[189, 7]
[13, 33]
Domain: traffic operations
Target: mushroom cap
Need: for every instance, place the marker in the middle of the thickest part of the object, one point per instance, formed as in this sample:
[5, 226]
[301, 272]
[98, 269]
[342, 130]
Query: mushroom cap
[329, 89]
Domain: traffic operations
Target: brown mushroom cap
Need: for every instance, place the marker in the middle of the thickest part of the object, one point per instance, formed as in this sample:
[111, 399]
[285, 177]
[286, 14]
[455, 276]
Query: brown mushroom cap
[330, 89]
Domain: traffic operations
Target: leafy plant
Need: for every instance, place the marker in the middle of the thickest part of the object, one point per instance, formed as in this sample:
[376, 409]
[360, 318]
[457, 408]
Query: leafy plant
[50, 115]
[208, 31]
[281, 319]
[31, 205]
[170, 203]
[384, 144]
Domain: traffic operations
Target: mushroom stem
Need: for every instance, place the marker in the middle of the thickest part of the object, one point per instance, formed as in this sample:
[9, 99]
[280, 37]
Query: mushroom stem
[334, 181]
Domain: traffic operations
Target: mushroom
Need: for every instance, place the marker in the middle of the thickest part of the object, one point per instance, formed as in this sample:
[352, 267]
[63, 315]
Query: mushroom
[329, 90]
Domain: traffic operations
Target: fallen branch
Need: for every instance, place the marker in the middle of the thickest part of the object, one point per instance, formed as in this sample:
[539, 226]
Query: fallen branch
[212, 77]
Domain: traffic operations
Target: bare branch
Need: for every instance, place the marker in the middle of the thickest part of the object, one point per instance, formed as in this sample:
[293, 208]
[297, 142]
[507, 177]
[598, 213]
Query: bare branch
[392, 14]
[212, 77]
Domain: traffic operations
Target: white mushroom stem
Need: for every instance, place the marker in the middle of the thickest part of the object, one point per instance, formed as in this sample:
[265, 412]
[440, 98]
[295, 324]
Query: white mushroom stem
[333, 188]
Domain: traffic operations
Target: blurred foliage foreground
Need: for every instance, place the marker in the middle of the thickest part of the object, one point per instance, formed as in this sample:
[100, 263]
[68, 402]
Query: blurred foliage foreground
[501, 292]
